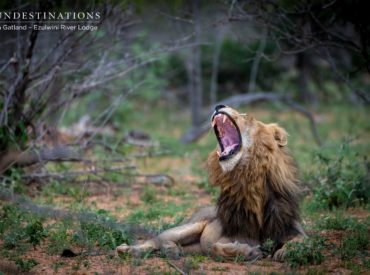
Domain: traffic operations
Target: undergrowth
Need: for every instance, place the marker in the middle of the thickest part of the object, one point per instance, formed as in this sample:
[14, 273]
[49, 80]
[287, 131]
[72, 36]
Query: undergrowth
[309, 251]
[342, 179]
[21, 230]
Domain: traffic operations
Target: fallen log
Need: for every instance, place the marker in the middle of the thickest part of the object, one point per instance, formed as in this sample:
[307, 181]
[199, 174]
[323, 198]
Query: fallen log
[33, 156]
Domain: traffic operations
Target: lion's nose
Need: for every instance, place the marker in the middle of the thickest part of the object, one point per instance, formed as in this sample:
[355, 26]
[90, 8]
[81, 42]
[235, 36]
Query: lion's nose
[218, 107]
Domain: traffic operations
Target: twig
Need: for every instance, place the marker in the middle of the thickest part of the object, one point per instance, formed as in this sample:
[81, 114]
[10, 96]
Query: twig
[5, 66]
[176, 268]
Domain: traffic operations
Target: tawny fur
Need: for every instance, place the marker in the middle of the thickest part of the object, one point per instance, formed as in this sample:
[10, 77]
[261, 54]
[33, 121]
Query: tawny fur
[258, 199]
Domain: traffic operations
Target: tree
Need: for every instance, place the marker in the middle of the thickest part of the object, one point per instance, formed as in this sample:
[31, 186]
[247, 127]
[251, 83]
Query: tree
[51, 70]
[323, 27]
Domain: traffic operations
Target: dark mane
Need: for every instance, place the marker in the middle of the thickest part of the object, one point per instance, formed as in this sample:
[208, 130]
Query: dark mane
[280, 211]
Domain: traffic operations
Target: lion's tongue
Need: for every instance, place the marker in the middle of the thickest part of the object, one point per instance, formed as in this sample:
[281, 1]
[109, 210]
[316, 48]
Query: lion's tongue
[229, 139]
[228, 149]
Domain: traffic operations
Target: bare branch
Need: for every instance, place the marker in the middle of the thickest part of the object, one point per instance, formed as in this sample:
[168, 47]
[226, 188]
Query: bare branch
[238, 100]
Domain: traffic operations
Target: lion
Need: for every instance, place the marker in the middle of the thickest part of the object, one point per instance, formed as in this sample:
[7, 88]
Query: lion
[258, 201]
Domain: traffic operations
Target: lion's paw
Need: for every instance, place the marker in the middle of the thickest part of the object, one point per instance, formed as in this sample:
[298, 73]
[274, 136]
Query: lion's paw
[123, 248]
[254, 254]
[128, 249]
[279, 255]
[171, 250]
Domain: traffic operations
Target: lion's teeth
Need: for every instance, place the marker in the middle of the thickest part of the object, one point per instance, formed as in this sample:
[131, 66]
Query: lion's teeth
[224, 119]
[218, 153]
[213, 123]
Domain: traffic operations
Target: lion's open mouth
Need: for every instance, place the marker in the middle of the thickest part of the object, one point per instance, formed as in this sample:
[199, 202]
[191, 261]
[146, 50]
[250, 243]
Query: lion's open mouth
[228, 135]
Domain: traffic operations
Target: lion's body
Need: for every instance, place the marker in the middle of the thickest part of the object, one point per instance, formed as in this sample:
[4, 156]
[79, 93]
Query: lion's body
[257, 202]
[254, 204]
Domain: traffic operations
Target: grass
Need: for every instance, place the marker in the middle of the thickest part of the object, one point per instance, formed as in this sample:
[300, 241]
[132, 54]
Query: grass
[307, 252]
[354, 244]
[337, 175]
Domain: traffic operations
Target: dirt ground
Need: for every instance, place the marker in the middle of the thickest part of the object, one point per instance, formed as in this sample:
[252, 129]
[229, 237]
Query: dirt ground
[110, 263]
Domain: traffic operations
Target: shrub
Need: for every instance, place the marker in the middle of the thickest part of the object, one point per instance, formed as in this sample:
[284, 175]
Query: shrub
[306, 252]
[354, 243]
[35, 232]
[26, 265]
[337, 223]
[342, 181]
[98, 233]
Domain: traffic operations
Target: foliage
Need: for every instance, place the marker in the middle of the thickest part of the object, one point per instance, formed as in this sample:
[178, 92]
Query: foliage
[17, 227]
[59, 238]
[35, 232]
[306, 252]
[149, 195]
[354, 243]
[268, 247]
[337, 222]
[341, 181]
[13, 137]
[235, 61]
[26, 265]
[96, 233]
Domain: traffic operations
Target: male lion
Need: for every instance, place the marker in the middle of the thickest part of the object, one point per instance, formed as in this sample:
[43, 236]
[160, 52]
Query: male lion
[258, 198]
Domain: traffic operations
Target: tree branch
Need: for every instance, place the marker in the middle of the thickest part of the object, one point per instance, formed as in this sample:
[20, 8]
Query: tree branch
[238, 100]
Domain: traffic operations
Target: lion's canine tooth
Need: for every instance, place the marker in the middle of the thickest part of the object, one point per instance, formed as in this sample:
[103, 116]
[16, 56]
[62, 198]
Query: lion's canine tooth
[224, 119]
[213, 123]
[218, 153]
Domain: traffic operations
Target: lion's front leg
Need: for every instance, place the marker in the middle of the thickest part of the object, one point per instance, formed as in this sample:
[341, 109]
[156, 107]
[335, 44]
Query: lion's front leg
[136, 250]
[279, 254]
[232, 249]
[214, 243]
[167, 240]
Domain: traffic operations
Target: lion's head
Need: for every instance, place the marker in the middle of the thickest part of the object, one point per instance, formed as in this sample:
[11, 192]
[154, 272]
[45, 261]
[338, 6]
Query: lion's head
[240, 136]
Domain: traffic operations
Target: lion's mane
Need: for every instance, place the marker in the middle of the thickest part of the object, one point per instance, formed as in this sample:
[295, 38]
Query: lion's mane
[259, 197]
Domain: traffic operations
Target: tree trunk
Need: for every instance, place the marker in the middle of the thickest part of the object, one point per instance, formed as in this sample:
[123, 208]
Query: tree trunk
[304, 68]
[195, 71]
[215, 64]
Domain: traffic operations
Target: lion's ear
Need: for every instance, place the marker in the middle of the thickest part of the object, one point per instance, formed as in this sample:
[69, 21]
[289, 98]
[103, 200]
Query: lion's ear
[280, 135]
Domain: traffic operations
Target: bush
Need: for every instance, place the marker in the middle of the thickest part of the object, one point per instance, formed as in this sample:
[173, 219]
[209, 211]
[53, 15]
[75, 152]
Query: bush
[342, 181]
[26, 265]
[101, 234]
[18, 227]
[337, 223]
[354, 243]
[306, 252]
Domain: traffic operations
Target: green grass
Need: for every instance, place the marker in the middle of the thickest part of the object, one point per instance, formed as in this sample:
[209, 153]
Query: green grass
[307, 252]
[340, 222]
[154, 212]
[355, 243]
[25, 265]
[341, 179]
